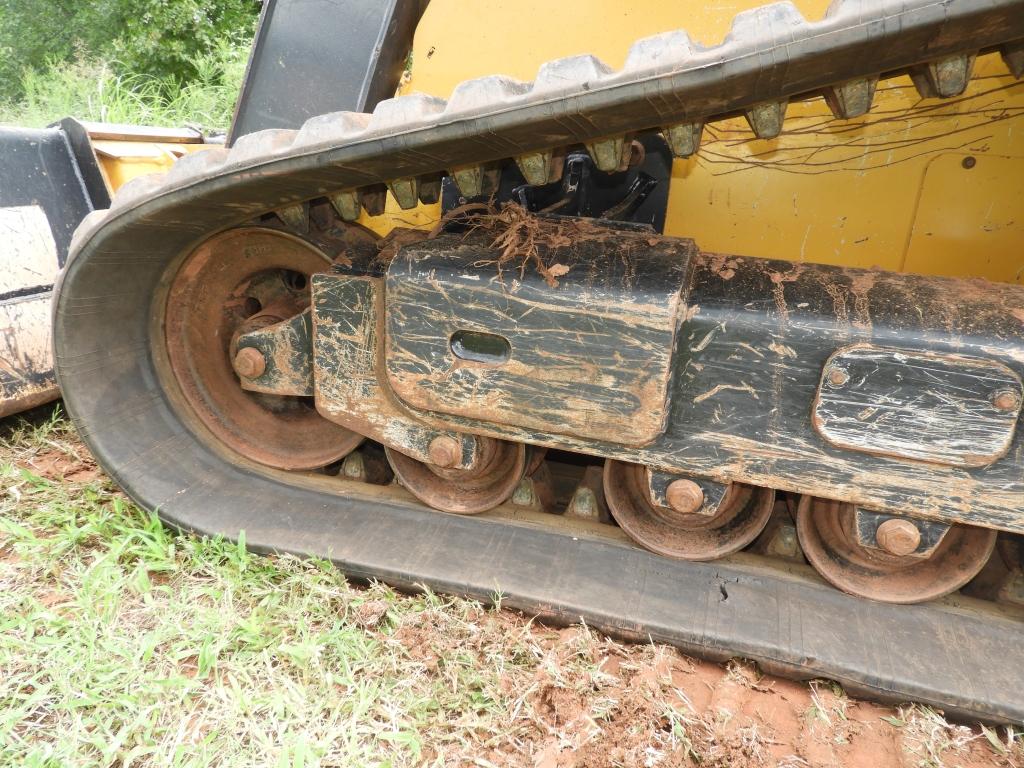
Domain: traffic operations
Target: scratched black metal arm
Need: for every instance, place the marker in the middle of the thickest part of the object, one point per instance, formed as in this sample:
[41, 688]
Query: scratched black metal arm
[574, 387]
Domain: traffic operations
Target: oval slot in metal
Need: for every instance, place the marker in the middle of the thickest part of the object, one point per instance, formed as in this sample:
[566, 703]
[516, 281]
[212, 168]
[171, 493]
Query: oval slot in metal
[477, 347]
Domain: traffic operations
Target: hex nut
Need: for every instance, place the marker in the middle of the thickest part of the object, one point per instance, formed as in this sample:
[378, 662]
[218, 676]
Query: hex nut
[444, 451]
[684, 496]
[898, 537]
[250, 363]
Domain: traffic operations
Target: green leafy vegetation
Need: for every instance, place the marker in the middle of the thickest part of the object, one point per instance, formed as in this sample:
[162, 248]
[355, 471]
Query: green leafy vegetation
[138, 61]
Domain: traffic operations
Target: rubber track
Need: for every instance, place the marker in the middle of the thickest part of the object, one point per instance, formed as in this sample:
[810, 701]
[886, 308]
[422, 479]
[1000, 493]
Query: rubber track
[109, 359]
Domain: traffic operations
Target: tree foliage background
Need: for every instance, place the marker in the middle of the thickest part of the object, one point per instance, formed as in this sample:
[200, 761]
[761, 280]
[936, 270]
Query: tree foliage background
[153, 46]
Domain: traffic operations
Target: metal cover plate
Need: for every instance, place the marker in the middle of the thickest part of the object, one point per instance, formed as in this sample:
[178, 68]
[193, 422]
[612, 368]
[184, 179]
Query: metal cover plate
[918, 405]
[587, 355]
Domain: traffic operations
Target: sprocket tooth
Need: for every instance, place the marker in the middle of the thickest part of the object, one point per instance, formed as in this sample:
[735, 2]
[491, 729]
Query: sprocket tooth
[253, 146]
[852, 98]
[138, 188]
[346, 204]
[570, 72]
[332, 128]
[406, 111]
[295, 216]
[666, 51]
[1013, 57]
[429, 189]
[610, 155]
[406, 192]
[484, 93]
[539, 168]
[766, 118]
[945, 77]
[684, 139]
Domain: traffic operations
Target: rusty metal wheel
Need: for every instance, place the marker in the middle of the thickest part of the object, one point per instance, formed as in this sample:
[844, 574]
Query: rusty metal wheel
[234, 282]
[464, 491]
[827, 533]
[740, 517]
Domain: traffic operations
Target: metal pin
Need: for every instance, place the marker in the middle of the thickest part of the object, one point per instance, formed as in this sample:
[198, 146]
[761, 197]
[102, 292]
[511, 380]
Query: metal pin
[944, 78]
[766, 118]
[346, 204]
[852, 98]
[294, 216]
[540, 168]
[470, 180]
[1013, 56]
[405, 191]
[607, 154]
[374, 199]
[430, 190]
[684, 139]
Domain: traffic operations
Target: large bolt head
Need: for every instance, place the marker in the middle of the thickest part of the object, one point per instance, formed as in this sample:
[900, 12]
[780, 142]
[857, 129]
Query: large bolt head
[837, 377]
[684, 496]
[250, 363]
[444, 451]
[898, 537]
[1006, 400]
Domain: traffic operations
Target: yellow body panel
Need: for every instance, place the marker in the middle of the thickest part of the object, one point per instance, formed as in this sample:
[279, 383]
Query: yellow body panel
[931, 186]
[123, 160]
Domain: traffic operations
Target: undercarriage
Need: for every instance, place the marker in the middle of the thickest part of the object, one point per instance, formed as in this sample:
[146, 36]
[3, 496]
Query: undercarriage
[665, 442]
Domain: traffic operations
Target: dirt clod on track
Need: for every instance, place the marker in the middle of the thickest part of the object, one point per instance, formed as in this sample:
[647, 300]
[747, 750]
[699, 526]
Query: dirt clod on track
[124, 644]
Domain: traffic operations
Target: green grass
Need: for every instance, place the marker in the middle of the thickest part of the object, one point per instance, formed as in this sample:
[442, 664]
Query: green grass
[91, 90]
[123, 644]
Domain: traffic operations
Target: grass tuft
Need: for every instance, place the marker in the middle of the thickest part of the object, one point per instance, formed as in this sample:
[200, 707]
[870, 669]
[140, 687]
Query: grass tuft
[93, 91]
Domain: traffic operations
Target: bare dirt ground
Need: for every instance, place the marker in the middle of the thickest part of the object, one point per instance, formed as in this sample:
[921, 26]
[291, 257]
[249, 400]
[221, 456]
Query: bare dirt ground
[437, 681]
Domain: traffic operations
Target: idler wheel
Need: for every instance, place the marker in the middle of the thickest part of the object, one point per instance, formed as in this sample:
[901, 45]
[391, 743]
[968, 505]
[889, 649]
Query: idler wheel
[464, 491]
[827, 532]
[739, 518]
[235, 282]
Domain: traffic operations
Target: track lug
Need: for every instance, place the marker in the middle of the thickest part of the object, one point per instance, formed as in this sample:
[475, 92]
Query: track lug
[406, 192]
[610, 155]
[535, 491]
[852, 98]
[470, 180]
[587, 502]
[900, 536]
[429, 189]
[374, 199]
[366, 466]
[539, 168]
[944, 78]
[295, 216]
[1013, 56]
[346, 204]
[766, 118]
[684, 139]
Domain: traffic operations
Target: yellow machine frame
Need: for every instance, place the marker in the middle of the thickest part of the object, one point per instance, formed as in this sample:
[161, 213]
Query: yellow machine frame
[919, 185]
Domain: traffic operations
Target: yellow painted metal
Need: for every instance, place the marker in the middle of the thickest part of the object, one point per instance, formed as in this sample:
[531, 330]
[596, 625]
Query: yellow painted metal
[859, 192]
[122, 160]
